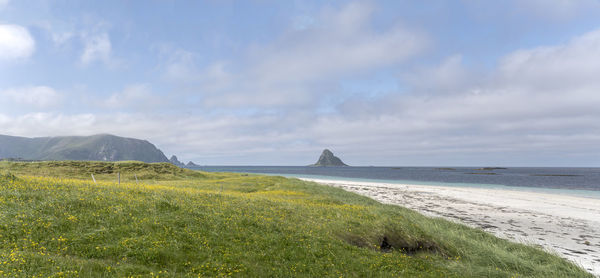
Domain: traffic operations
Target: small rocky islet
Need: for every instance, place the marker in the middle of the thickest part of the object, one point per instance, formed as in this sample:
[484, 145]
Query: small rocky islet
[327, 158]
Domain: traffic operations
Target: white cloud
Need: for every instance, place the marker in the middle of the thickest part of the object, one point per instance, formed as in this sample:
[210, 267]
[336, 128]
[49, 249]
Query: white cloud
[540, 102]
[303, 22]
[432, 131]
[15, 42]
[36, 97]
[450, 76]
[540, 105]
[184, 136]
[340, 43]
[538, 10]
[557, 9]
[137, 96]
[62, 38]
[46, 124]
[574, 64]
[180, 66]
[97, 47]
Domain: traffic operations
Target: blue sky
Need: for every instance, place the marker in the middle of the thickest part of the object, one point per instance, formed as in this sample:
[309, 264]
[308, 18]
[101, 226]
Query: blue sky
[512, 83]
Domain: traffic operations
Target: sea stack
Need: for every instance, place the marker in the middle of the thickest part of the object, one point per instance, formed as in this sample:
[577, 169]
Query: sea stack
[176, 161]
[191, 164]
[328, 159]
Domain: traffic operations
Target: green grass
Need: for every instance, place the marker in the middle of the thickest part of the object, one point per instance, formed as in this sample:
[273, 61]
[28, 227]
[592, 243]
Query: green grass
[190, 224]
[145, 172]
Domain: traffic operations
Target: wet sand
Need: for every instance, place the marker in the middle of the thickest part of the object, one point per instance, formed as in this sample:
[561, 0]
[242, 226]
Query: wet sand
[565, 225]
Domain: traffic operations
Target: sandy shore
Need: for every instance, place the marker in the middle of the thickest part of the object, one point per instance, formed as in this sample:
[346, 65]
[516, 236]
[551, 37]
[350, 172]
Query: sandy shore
[566, 225]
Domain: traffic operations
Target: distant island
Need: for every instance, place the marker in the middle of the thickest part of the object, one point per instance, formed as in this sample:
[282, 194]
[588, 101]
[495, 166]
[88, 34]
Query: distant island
[328, 159]
[101, 147]
[491, 168]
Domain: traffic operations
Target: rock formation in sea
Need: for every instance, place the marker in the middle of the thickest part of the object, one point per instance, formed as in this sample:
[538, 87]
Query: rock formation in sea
[328, 159]
[176, 161]
[191, 164]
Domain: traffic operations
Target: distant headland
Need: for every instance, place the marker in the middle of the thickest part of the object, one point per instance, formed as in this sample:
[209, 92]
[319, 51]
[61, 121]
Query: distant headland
[100, 147]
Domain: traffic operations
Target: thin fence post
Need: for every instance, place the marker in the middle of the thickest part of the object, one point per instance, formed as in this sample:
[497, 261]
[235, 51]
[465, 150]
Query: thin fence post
[94, 179]
[136, 180]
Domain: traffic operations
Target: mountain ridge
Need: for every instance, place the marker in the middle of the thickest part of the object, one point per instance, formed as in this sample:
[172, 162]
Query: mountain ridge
[99, 147]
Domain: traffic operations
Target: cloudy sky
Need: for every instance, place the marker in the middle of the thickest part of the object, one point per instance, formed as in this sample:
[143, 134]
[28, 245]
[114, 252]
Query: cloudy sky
[506, 83]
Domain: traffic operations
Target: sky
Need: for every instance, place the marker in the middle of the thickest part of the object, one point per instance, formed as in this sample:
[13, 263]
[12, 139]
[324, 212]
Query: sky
[260, 82]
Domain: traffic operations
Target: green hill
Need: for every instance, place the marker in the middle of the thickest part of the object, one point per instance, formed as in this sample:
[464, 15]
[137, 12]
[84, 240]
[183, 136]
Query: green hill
[129, 170]
[102, 147]
[183, 223]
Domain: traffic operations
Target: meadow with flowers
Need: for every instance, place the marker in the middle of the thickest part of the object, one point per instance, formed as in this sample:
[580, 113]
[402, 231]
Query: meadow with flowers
[164, 221]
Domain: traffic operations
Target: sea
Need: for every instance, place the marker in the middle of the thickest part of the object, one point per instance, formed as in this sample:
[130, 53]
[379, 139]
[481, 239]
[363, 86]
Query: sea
[581, 182]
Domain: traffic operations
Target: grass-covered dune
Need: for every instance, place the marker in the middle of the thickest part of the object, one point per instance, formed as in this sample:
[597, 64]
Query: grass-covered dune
[56, 222]
[107, 171]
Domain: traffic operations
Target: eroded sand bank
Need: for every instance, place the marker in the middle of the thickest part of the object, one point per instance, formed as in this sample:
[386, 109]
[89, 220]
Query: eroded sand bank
[566, 225]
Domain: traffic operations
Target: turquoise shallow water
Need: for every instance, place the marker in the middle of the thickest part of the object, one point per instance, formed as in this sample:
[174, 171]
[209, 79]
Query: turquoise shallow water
[569, 192]
[580, 182]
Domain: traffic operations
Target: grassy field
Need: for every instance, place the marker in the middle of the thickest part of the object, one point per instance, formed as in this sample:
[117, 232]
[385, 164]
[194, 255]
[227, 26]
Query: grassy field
[56, 222]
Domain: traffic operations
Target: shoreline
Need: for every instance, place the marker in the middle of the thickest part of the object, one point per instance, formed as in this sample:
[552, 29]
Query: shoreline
[566, 225]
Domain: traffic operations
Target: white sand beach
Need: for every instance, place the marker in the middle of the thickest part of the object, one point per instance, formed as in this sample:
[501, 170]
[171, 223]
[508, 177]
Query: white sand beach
[566, 225]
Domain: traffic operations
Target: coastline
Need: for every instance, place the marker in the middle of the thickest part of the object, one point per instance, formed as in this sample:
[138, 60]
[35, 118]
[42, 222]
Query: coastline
[578, 182]
[566, 225]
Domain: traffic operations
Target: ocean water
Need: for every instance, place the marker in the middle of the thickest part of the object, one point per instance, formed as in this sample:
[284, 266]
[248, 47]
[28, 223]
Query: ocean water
[570, 181]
